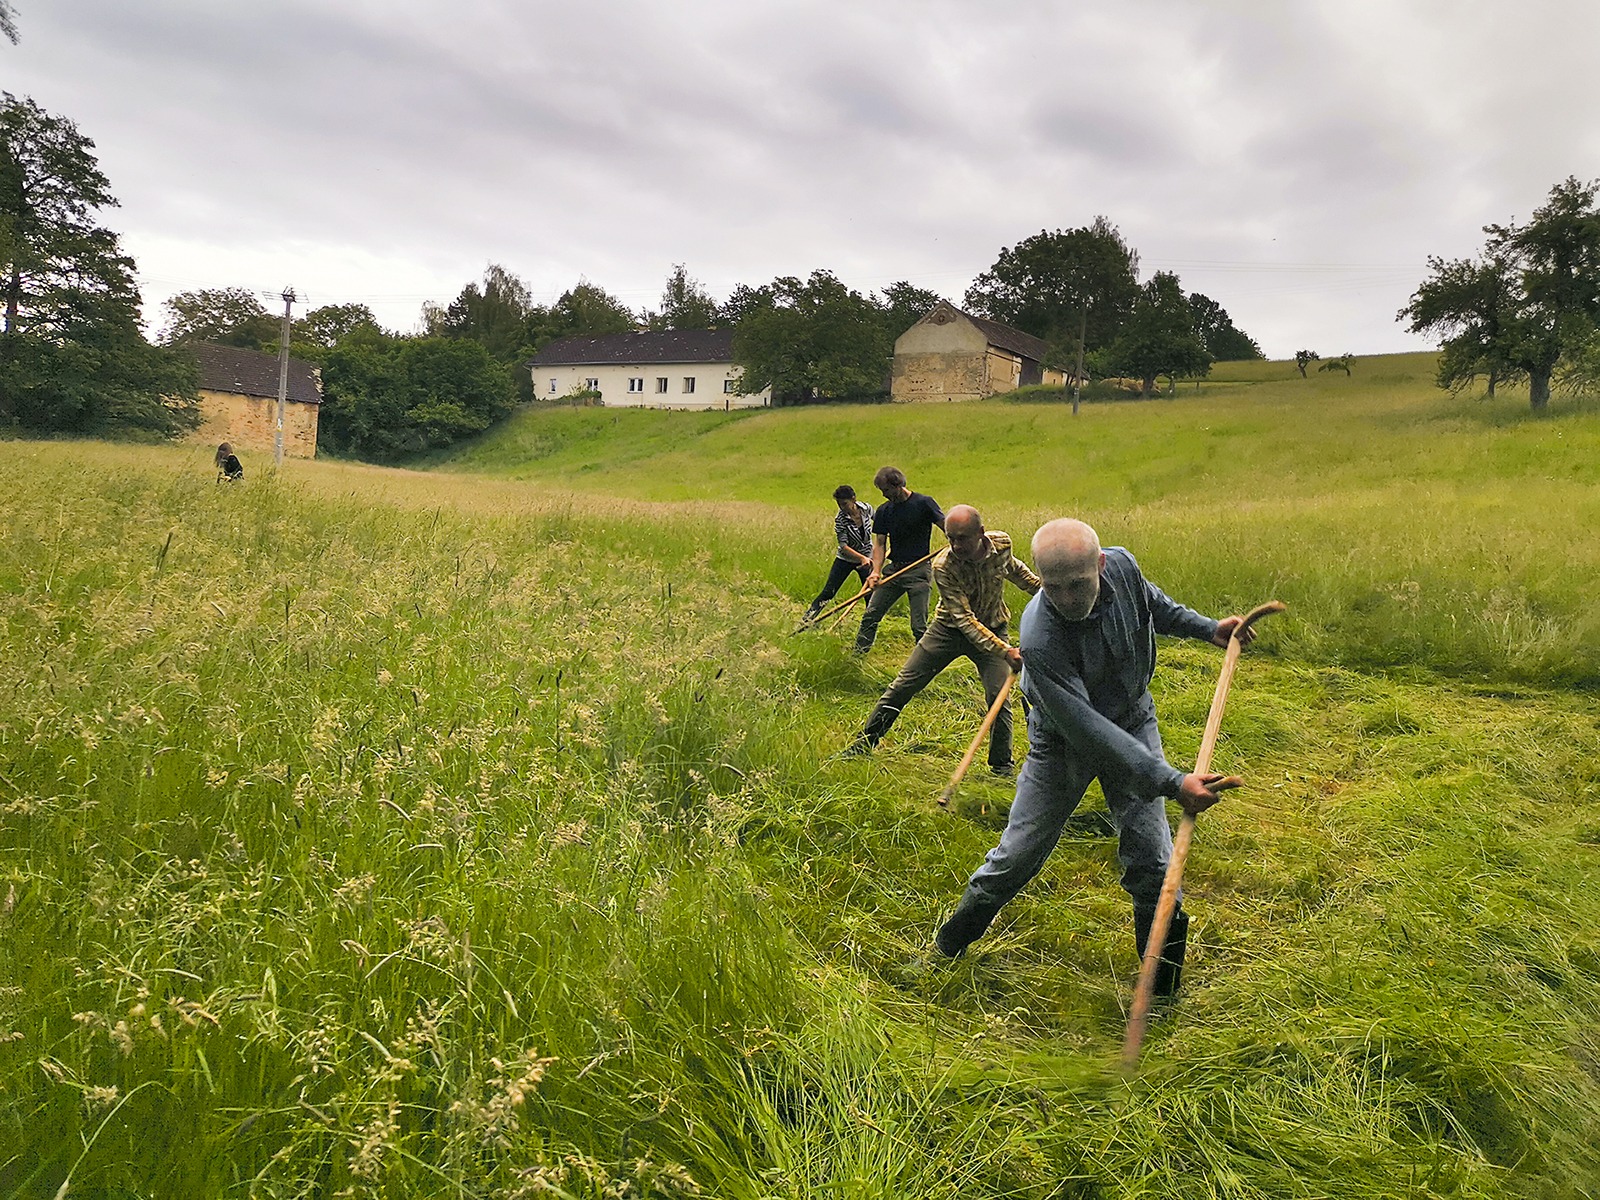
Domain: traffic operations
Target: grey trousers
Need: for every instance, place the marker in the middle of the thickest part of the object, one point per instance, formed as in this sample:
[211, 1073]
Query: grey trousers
[1049, 786]
[914, 585]
[936, 650]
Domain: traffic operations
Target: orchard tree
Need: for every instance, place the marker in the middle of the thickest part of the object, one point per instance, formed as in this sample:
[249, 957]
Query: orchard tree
[72, 356]
[1053, 285]
[225, 316]
[1159, 337]
[1525, 305]
[816, 337]
[685, 304]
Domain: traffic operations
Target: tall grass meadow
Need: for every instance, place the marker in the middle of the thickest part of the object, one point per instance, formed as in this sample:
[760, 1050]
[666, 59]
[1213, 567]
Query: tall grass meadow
[385, 833]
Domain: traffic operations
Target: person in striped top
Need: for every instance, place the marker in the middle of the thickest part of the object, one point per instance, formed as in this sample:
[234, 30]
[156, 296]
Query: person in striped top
[852, 531]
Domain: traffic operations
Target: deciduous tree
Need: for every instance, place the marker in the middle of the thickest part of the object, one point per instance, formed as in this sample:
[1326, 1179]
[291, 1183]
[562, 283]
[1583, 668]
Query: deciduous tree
[231, 316]
[816, 337]
[387, 397]
[685, 304]
[494, 314]
[1223, 340]
[1530, 300]
[330, 324]
[1159, 336]
[1046, 283]
[71, 354]
[904, 304]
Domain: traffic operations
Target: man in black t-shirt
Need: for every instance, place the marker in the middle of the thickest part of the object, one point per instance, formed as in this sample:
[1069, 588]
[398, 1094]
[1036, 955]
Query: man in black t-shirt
[901, 531]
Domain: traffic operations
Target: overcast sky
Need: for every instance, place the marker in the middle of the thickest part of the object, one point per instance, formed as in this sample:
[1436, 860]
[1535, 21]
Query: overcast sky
[1295, 161]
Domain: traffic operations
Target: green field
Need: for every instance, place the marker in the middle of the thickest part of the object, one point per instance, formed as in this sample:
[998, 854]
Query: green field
[475, 831]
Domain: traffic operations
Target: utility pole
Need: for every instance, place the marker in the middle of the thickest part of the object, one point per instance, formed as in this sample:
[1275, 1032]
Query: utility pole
[283, 376]
[1077, 378]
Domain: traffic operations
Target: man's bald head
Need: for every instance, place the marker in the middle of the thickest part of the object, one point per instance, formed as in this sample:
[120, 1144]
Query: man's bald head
[1068, 559]
[962, 516]
[964, 529]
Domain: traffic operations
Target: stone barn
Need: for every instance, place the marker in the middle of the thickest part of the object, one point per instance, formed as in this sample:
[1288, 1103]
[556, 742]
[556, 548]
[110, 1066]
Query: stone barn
[239, 401]
[953, 355]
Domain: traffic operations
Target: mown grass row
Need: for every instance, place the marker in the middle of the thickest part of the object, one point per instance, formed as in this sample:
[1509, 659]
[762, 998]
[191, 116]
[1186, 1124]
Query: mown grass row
[354, 839]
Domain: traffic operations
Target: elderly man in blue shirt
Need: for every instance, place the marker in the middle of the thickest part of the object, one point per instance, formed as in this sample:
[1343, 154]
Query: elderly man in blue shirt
[1088, 642]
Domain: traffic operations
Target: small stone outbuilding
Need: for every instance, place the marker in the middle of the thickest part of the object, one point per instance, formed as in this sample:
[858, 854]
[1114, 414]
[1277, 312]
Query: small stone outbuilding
[239, 400]
[952, 355]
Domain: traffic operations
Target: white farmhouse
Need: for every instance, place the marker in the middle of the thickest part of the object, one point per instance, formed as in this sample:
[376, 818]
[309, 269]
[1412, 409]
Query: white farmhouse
[689, 368]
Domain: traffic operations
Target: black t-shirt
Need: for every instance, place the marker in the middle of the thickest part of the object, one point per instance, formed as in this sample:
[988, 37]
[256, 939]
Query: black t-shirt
[909, 524]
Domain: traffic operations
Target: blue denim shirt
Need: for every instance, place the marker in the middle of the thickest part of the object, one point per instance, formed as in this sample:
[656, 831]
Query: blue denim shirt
[1091, 678]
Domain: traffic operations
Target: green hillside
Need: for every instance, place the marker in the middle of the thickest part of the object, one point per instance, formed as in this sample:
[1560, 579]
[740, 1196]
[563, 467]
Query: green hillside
[480, 833]
[1455, 533]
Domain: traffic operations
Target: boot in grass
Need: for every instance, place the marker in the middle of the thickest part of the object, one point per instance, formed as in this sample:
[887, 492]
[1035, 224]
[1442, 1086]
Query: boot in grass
[1169, 970]
[966, 925]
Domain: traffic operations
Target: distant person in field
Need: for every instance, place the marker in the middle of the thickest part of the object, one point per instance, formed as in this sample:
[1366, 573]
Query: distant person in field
[902, 529]
[228, 465]
[852, 532]
[1088, 642]
[970, 622]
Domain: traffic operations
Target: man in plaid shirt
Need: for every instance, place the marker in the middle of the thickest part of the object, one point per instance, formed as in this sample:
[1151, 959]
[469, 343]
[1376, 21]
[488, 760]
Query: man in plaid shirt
[970, 623]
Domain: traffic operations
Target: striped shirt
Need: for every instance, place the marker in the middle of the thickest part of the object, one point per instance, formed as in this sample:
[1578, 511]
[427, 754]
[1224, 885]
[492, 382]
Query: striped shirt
[856, 537]
[972, 595]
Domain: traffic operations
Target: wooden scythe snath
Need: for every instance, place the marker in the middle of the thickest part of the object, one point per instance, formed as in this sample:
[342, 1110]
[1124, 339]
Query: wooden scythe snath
[1139, 1017]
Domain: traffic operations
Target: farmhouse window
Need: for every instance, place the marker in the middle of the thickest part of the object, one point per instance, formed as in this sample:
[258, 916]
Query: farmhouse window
[688, 383]
[727, 386]
[661, 384]
[636, 384]
[592, 385]
[552, 387]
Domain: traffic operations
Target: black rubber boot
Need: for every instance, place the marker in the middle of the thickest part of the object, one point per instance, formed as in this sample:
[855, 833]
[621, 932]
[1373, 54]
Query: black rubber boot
[1169, 970]
[966, 925]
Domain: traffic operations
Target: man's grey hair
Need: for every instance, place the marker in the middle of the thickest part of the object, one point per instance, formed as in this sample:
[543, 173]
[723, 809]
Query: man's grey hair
[1064, 542]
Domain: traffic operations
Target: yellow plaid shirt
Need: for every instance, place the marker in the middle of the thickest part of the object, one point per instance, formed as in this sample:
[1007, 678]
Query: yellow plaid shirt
[972, 594]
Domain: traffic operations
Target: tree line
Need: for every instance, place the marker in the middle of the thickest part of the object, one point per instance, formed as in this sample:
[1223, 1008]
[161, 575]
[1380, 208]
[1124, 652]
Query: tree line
[73, 356]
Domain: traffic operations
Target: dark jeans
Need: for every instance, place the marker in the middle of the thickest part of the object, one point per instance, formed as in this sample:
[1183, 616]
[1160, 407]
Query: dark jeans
[915, 585]
[837, 574]
[937, 649]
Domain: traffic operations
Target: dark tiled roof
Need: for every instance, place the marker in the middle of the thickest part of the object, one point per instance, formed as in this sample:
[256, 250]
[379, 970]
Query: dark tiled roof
[1011, 339]
[1000, 335]
[622, 349]
[253, 373]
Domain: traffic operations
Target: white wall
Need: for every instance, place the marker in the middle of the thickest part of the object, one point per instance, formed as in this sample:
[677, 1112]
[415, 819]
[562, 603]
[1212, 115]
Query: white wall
[612, 383]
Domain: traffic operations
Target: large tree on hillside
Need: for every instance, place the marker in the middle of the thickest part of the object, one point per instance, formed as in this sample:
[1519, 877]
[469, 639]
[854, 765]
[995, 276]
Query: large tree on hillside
[815, 337]
[232, 316]
[71, 353]
[685, 304]
[1158, 337]
[1223, 340]
[1529, 301]
[1054, 284]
